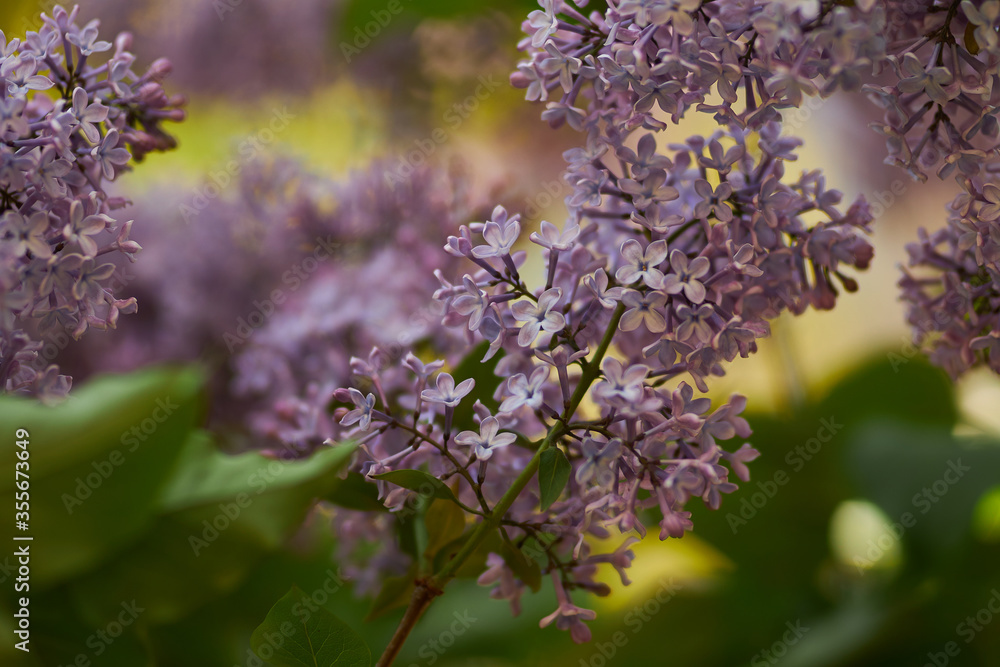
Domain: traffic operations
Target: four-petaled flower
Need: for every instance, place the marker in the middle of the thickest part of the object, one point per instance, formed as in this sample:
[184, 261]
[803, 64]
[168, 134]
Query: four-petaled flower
[26, 234]
[488, 438]
[645, 309]
[81, 228]
[108, 155]
[362, 413]
[598, 284]
[472, 303]
[685, 276]
[525, 391]
[447, 393]
[641, 264]
[537, 317]
[620, 383]
[553, 239]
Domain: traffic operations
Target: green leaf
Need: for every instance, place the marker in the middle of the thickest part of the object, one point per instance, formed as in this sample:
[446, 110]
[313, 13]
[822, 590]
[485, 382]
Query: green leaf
[417, 480]
[445, 523]
[475, 564]
[294, 635]
[354, 492]
[98, 464]
[526, 569]
[553, 473]
[218, 516]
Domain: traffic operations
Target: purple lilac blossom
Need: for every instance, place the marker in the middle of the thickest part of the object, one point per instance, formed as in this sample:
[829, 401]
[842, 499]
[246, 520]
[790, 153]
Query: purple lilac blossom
[73, 116]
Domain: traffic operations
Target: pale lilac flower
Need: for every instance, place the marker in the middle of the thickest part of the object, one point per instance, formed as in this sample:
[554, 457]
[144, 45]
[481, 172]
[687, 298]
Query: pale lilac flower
[488, 439]
[620, 383]
[499, 237]
[447, 393]
[362, 413]
[644, 309]
[81, 228]
[641, 264]
[538, 317]
[109, 155]
[21, 235]
[685, 276]
[472, 303]
[553, 239]
[598, 284]
[525, 391]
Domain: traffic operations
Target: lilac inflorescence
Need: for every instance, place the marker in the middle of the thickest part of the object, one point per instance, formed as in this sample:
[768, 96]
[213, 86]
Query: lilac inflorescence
[671, 264]
[73, 116]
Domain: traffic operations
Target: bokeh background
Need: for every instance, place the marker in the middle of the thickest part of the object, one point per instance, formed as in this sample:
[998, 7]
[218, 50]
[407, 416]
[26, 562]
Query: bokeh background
[864, 548]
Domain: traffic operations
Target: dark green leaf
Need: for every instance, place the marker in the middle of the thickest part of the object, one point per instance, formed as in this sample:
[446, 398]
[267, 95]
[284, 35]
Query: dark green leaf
[553, 473]
[294, 635]
[356, 493]
[525, 568]
[423, 483]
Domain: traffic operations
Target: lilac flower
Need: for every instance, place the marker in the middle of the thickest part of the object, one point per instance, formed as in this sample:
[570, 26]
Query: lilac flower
[553, 239]
[472, 303]
[685, 275]
[598, 284]
[22, 235]
[362, 413]
[538, 316]
[56, 202]
[81, 227]
[488, 439]
[644, 309]
[525, 391]
[108, 155]
[499, 237]
[447, 393]
[641, 264]
[619, 383]
[87, 114]
[713, 201]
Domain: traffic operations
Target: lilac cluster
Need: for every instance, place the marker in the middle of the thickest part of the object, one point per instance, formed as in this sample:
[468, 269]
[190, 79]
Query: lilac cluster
[932, 66]
[952, 287]
[73, 114]
[675, 258]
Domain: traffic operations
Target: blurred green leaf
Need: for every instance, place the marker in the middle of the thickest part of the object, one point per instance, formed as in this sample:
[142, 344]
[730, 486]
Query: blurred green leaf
[553, 473]
[355, 492]
[293, 635]
[98, 463]
[205, 541]
[417, 480]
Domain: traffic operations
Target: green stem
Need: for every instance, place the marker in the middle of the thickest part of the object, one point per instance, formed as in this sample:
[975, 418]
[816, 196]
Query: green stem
[428, 589]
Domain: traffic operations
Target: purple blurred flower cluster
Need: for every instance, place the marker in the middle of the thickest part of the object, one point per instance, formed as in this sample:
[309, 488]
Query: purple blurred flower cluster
[671, 264]
[72, 118]
[952, 286]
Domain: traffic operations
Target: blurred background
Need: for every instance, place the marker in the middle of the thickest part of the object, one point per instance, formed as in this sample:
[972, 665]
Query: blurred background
[868, 535]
